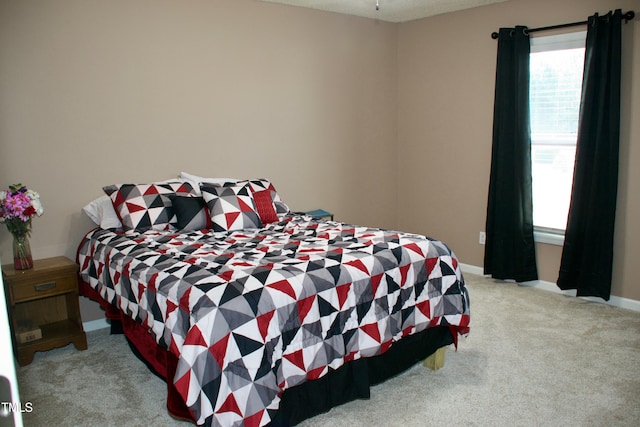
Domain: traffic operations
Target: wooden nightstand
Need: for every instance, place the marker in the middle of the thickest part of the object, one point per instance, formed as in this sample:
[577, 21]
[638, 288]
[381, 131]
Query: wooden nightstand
[44, 307]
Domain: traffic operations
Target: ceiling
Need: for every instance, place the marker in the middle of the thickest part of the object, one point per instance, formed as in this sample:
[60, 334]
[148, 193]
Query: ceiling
[390, 10]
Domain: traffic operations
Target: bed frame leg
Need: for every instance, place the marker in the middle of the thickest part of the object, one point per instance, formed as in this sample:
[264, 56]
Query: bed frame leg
[436, 360]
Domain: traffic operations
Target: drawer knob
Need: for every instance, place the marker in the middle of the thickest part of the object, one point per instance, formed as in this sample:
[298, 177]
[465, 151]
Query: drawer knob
[45, 286]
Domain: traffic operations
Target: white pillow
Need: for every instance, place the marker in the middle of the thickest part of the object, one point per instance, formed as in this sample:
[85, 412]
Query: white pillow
[195, 181]
[101, 212]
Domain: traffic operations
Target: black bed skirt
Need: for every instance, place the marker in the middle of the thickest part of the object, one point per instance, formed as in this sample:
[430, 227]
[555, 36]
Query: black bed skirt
[347, 383]
[353, 380]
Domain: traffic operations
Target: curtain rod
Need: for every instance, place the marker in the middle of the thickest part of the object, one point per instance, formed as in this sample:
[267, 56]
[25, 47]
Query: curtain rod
[627, 17]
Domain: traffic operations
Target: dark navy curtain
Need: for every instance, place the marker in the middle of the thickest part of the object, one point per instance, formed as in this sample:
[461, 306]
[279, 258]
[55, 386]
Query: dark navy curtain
[510, 248]
[587, 256]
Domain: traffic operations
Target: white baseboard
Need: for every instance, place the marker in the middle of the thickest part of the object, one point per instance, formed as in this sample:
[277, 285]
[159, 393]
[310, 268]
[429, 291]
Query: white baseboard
[94, 325]
[472, 269]
[627, 303]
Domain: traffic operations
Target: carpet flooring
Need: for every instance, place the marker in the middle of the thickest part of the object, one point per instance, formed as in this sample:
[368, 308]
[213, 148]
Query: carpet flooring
[533, 358]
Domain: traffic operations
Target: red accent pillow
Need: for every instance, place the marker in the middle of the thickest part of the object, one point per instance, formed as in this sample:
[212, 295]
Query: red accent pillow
[264, 206]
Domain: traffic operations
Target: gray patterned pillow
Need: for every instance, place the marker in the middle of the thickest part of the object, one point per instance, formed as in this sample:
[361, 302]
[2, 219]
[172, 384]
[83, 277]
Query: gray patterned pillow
[231, 207]
[142, 207]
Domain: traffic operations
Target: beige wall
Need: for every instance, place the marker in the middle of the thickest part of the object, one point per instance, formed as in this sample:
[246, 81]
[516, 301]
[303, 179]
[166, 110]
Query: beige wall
[96, 92]
[386, 125]
[446, 74]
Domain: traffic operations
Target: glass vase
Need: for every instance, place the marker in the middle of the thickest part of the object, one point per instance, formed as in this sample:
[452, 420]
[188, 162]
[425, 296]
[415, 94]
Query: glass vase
[22, 259]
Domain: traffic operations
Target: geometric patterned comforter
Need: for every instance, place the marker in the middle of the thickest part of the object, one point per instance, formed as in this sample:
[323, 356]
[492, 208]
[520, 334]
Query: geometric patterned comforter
[251, 313]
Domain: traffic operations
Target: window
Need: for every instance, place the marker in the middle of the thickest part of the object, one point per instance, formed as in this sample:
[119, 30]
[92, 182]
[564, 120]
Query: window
[556, 66]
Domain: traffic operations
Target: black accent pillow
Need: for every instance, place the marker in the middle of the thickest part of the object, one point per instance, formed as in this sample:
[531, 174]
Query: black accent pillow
[191, 212]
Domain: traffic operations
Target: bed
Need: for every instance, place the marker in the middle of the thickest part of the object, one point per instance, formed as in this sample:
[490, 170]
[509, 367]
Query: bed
[258, 316]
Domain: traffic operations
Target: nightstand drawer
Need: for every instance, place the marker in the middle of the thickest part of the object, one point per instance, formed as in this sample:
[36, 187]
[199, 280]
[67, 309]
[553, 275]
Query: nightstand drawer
[37, 289]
